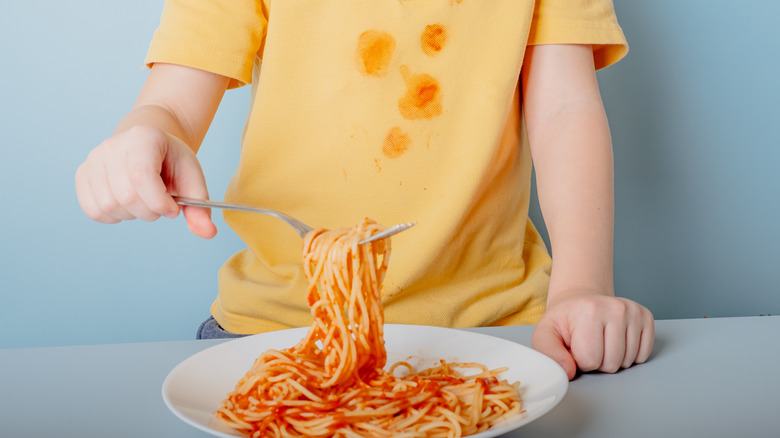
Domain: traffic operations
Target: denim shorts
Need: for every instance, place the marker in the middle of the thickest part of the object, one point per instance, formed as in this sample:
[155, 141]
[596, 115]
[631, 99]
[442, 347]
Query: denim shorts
[210, 329]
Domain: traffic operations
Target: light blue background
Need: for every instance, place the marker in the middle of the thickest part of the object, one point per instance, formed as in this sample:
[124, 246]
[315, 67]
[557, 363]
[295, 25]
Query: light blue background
[693, 108]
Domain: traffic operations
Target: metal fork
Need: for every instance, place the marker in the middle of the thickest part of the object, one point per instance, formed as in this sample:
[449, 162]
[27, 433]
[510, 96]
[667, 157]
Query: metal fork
[299, 226]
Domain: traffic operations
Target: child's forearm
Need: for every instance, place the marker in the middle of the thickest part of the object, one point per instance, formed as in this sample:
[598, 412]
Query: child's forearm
[575, 183]
[178, 100]
[572, 151]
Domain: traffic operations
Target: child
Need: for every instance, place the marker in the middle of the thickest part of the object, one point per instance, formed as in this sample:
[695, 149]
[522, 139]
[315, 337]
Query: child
[397, 110]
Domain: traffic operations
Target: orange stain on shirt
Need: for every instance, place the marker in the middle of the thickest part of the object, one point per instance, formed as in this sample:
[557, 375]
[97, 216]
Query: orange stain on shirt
[423, 96]
[433, 39]
[396, 143]
[374, 52]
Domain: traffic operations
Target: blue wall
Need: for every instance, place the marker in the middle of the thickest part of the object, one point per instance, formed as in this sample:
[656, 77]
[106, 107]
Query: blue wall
[70, 71]
[693, 110]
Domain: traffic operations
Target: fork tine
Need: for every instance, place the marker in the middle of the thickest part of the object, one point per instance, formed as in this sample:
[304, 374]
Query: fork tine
[389, 232]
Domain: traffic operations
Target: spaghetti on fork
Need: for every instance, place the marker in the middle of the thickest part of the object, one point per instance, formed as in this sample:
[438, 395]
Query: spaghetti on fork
[333, 382]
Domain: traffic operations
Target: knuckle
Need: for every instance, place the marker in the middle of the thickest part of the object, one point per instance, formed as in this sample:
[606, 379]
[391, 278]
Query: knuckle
[90, 162]
[79, 176]
[620, 304]
[139, 175]
[589, 309]
[617, 310]
[147, 213]
[158, 206]
[80, 179]
[105, 147]
[107, 205]
[98, 215]
[648, 318]
[93, 214]
[126, 196]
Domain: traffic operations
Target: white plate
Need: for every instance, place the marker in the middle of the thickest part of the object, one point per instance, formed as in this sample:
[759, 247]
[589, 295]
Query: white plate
[195, 388]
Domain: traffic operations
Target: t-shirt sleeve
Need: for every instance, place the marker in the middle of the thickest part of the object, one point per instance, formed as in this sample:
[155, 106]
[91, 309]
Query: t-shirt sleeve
[580, 22]
[219, 36]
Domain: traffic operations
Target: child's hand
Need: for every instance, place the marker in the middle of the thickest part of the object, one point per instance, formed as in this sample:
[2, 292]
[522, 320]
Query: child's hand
[132, 175]
[592, 331]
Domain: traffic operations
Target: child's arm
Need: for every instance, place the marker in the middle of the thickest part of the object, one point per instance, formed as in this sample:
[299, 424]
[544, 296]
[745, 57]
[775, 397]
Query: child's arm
[585, 325]
[151, 154]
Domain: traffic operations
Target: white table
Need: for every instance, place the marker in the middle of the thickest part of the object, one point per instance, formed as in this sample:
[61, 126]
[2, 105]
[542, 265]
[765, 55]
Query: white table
[706, 378]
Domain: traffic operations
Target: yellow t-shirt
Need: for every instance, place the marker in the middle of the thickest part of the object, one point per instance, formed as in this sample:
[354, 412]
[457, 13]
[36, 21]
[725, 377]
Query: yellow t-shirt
[397, 110]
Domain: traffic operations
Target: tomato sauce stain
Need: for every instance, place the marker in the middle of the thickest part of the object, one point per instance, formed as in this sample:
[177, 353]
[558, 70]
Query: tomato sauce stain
[375, 51]
[396, 143]
[423, 96]
[433, 39]
[428, 143]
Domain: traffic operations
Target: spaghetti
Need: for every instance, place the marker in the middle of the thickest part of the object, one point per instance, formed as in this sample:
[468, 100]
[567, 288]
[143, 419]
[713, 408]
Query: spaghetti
[333, 382]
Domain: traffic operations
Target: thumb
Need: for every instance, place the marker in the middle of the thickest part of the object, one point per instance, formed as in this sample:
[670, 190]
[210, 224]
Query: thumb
[185, 178]
[549, 342]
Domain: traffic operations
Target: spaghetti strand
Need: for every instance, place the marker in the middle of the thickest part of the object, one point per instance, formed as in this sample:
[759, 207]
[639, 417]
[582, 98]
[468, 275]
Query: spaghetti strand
[333, 383]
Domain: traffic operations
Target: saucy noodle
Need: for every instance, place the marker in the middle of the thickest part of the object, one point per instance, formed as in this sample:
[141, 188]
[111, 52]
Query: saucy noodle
[333, 382]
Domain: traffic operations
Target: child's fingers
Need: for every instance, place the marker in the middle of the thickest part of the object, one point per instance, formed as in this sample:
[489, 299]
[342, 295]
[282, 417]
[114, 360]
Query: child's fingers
[86, 196]
[199, 221]
[548, 342]
[587, 344]
[93, 192]
[144, 176]
[90, 206]
[633, 337]
[125, 191]
[639, 337]
[614, 347]
[104, 196]
[646, 339]
[105, 188]
[189, 181]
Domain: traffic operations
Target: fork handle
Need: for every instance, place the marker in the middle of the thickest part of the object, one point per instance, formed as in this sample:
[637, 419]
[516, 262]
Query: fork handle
[299, 226]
